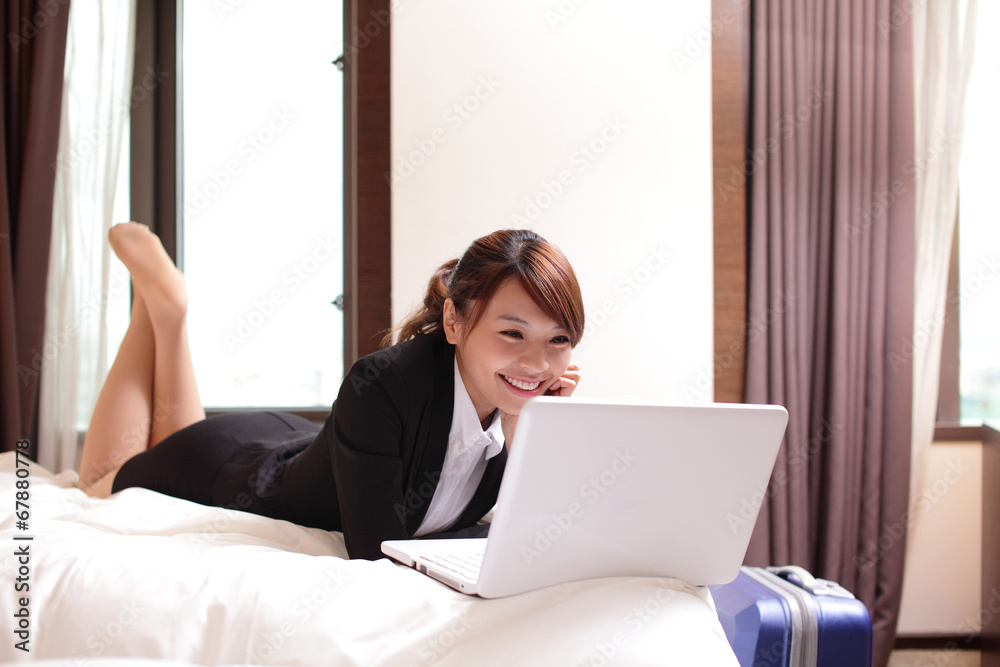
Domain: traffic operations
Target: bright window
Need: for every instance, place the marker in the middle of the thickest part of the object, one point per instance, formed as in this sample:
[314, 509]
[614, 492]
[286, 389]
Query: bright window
[262, 192]
[978, 293]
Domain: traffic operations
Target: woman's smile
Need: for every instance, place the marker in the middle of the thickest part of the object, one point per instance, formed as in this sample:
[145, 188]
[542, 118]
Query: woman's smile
[520, 386]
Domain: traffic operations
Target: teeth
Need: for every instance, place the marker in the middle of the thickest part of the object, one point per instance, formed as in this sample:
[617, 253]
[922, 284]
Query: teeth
[526, 386]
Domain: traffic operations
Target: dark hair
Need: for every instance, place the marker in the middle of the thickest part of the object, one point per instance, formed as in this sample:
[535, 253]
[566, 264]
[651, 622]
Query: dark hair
[472, 280]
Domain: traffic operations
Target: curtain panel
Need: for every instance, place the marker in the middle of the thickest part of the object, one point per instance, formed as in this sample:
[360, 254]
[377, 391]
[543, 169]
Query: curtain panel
[31, 64]
[943, 43]
[830, 287]
[83, 281]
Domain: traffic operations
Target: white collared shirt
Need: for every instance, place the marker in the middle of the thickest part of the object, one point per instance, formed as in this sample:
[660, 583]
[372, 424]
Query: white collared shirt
[469, 450]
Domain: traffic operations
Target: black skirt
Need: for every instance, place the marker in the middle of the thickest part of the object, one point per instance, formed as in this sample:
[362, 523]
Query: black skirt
[267, 463]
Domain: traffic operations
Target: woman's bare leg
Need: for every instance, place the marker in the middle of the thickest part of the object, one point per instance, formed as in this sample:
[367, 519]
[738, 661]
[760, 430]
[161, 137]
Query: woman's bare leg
[150, 391]
[119, 427]
[176, 401]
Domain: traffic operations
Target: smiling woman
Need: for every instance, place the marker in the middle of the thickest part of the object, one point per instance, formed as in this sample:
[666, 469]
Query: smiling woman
[414, 444]
[512, 307]
[517, 352]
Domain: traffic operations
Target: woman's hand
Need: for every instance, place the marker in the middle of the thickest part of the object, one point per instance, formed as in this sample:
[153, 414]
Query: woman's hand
[566, 384]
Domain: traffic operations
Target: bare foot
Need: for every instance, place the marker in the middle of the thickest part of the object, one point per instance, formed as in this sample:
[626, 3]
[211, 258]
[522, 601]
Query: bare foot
[156, 279]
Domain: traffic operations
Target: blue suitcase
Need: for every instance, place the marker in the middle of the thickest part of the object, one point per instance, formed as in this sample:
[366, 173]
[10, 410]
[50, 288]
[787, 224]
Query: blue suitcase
[783, 616]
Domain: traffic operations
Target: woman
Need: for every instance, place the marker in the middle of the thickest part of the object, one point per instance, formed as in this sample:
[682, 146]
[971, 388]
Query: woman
[414, 444]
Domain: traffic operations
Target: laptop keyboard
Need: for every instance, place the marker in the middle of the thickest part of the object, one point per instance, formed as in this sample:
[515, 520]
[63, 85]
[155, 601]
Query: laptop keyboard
[466, 565]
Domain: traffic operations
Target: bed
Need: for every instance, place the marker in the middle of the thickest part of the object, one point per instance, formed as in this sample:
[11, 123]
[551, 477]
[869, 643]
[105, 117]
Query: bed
[145, 578]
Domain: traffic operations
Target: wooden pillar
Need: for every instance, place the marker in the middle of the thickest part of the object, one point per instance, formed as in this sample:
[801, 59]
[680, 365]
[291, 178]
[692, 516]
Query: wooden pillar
[367, 196]
[729, 103]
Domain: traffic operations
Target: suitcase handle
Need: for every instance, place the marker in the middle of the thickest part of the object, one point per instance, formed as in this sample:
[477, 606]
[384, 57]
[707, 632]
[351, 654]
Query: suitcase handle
[802, 578]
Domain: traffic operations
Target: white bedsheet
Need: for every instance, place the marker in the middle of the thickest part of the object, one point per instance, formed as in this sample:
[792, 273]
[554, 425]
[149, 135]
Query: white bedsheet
[145, 575]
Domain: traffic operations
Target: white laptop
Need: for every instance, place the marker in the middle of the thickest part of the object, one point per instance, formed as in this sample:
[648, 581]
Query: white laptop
[597, 488]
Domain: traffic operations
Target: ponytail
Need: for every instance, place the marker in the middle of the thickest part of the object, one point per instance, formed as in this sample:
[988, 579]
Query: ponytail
[428, 317]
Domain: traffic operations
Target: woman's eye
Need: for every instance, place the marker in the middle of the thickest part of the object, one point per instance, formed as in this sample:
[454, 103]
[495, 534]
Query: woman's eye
[512, 334]
[560, 340]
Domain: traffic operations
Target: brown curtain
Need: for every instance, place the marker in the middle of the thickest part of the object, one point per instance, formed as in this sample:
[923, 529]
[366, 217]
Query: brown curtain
[830, 253]
[31, 64]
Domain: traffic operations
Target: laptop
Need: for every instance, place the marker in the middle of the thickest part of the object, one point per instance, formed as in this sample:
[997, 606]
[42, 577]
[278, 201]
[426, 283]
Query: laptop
[599, 488]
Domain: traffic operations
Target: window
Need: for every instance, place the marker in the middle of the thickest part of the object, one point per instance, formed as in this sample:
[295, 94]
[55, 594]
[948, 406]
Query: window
[973, 393]
[978, 292]
[261, 226]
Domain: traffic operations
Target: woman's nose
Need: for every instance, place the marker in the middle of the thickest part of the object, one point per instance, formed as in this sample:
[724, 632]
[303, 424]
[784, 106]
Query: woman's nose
[534, 360]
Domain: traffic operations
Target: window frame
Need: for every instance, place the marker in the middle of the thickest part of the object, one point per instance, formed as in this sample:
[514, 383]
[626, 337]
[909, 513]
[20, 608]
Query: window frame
[949, 426]
[155, 138]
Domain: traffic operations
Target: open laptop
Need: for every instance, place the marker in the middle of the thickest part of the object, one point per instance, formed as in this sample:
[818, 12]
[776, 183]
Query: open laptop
[596, 488]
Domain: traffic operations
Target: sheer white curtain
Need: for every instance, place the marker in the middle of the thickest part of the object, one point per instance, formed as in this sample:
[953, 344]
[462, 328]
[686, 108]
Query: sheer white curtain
[943, 45]
[97, 99]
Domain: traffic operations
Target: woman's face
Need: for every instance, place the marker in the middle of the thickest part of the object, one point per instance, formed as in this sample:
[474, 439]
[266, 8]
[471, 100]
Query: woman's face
[515, 351]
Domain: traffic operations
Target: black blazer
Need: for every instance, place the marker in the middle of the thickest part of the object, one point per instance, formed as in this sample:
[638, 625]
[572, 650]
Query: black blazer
[386, 439]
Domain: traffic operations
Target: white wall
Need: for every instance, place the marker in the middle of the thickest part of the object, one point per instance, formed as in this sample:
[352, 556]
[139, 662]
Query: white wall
[942, 581]
[588, 121]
